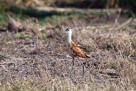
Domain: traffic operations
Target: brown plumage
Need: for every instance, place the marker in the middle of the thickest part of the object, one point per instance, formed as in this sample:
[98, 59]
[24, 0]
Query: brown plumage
[76, 50]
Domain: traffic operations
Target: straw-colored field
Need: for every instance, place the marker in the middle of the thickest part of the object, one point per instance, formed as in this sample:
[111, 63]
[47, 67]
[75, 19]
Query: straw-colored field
[36, 58]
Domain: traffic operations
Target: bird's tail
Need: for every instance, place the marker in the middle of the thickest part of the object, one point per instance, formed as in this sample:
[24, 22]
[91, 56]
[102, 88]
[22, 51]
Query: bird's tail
[87, 56]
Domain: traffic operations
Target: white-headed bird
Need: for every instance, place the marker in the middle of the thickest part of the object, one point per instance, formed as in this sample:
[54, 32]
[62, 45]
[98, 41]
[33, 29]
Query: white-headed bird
[74, 50]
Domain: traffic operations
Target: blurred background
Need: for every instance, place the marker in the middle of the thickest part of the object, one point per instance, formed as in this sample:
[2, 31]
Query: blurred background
[48, 11]
[33, 49]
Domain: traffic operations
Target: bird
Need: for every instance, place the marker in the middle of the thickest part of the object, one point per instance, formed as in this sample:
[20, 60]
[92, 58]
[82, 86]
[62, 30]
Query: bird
[75, 51]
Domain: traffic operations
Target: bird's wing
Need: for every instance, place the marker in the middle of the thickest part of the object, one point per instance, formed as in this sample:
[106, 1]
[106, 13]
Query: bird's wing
[77, 51]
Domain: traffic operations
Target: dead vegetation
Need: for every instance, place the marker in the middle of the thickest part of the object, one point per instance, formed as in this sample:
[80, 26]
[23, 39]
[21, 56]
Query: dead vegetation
[36, 58]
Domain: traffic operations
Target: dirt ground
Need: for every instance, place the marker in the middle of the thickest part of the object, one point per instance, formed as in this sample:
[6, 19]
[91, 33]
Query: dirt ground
[44, 59]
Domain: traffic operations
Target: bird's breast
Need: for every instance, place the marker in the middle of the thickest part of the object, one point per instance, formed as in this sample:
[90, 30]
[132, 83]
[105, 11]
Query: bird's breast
[70, 43]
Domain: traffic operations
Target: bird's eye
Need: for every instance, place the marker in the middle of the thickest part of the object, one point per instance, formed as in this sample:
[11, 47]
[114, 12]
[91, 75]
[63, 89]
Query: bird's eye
[67, 29]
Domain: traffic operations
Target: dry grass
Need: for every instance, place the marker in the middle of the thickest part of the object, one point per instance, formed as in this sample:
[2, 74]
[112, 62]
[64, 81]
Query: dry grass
[42, 63]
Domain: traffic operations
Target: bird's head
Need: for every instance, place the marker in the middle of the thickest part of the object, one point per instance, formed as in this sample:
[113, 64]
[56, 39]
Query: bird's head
[68, 30]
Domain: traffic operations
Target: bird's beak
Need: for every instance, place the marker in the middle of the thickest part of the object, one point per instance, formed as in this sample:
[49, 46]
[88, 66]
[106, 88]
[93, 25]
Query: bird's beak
[64, 32]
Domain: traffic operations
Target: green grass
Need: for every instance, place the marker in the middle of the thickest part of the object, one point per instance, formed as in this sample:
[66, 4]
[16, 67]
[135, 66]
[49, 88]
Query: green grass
[7, 37]
[44, 17]
[23, 86]
[22, 36]
[7, 7]
[3, 19]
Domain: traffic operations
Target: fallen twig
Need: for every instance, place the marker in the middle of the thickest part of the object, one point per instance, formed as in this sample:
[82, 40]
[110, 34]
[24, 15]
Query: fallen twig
[4, 67]
[124, 24]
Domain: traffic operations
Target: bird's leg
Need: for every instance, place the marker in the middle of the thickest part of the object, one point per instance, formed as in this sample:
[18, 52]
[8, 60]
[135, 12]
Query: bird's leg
[83, 69]
[72, 67]
[85, 62]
